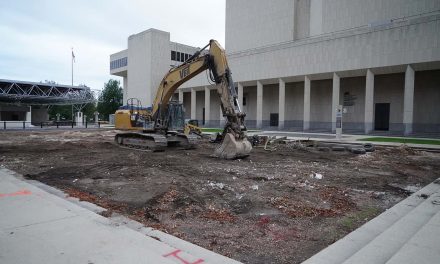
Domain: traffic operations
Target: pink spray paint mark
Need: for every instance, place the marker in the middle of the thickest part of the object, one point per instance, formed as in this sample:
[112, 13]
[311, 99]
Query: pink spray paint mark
[175, 254]
[18, 193]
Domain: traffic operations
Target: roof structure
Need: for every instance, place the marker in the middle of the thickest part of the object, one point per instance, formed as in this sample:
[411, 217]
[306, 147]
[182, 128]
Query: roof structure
[33, 93]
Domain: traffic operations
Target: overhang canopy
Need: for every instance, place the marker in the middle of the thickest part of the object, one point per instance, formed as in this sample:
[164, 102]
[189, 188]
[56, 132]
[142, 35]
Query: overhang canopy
[32, 93]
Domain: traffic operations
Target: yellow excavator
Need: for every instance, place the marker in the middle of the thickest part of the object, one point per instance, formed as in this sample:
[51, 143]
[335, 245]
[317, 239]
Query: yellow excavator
[163, 124]
[132, 116]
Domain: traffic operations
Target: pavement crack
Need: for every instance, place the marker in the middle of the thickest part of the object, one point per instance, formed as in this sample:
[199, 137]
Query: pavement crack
[42, 222]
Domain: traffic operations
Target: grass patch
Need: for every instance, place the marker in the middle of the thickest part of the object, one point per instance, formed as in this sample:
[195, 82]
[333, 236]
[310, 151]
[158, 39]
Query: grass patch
[212, 130]
[352, 221]
[402, 140]
[219, 130]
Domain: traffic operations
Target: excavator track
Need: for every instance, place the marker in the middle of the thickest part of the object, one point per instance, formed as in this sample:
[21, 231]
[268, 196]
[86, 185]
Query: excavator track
[156, 142]
[142, 141]
[182, 141]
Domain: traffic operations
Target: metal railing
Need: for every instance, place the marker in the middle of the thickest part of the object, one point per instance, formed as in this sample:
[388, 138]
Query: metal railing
[23, 125]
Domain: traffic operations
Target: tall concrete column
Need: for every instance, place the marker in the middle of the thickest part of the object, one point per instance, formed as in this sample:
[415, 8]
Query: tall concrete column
[207, 106]
[29, 115]
[259, 104]
[125, 90]
[240, 95]
[306, 119]
[181, 95]
[281, 103]
[335, 100]
[369, 102]
[221, 117]
[193, 103]
[408, 101]
[79, 119]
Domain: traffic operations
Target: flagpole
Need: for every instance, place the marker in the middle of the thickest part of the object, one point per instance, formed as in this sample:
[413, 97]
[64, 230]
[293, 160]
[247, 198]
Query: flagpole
[72, 83]
[72, 67]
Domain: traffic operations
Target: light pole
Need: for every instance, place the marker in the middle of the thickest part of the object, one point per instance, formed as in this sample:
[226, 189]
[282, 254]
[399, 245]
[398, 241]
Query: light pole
[73, 60]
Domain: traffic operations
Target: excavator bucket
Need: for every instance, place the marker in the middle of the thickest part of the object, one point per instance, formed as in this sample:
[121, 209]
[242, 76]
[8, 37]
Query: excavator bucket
[232, 148]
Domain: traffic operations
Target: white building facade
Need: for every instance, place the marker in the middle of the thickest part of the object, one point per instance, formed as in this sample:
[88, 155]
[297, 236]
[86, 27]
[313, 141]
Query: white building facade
[295, 61]
[149, 56]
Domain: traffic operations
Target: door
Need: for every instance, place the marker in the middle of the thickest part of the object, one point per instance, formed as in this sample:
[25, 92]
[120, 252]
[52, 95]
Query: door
[274, 119]
[382, 117]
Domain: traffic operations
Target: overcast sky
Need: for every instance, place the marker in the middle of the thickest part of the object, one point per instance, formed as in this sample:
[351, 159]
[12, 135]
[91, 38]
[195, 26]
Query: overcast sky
[37, 35]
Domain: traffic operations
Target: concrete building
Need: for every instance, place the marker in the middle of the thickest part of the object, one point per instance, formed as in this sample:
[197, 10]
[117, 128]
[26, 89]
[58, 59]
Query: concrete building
[150, 54]
[295, 61]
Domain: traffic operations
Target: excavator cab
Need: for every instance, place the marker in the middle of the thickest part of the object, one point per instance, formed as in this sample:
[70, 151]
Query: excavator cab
[174, 117]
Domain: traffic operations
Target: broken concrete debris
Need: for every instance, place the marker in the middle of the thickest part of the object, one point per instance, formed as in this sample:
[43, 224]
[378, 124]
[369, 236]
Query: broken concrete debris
[317, 176]
[274, 143]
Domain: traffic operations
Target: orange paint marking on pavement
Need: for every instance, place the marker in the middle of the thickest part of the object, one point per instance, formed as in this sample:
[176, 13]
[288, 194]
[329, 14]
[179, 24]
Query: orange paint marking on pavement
[18, 193]
[175, 254]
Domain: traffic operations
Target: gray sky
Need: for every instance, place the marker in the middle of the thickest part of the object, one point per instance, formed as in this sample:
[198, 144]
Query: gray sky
[37, 35]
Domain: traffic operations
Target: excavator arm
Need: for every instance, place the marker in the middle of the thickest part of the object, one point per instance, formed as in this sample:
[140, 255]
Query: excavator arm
[234, 143]
[174, 78]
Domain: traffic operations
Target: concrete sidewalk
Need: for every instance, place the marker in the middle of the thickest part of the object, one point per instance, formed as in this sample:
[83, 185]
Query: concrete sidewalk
[41, 226]
[346, 138]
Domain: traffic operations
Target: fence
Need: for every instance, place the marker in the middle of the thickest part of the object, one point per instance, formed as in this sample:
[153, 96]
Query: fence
[56, 124]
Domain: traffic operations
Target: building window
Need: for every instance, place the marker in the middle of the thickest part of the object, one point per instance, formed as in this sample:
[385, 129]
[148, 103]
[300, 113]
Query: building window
[122, 62]
[244, 100]
[179, 56]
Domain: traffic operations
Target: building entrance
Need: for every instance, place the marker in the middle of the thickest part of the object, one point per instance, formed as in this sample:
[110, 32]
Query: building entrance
[382, 117]
[274, 119]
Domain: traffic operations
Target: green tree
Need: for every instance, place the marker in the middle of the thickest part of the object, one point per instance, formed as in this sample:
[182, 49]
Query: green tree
[89, 110]
[110, 99]
[65, 111]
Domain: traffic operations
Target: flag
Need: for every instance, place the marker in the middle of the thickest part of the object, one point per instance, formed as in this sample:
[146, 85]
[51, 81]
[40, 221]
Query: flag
[73, 56]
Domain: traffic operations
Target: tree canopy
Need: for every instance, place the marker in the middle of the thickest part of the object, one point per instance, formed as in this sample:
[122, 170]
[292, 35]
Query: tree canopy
[65, 112]
[110, 99]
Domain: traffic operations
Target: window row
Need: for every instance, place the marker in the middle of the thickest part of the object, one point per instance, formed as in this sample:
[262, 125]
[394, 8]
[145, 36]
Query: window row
[118, 63]
[179, 56]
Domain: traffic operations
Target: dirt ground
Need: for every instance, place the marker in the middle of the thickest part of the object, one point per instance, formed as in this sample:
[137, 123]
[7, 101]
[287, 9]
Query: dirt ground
[268, 208]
